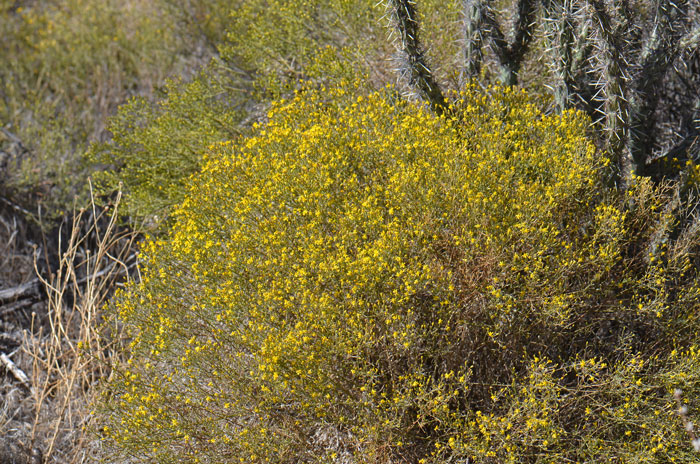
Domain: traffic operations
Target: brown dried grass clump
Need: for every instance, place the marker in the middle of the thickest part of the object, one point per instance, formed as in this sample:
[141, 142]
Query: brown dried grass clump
[65, 347]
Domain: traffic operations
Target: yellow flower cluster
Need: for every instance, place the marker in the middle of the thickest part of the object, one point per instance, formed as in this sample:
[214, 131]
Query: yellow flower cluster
[364, 280]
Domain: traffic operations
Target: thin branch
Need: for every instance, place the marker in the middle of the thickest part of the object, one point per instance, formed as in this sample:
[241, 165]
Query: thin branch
[13, 138]
[16, 207]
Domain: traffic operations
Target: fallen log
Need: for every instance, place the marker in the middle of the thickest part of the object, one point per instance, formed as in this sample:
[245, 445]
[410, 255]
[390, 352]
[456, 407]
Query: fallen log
[32, 289]
[19, 304]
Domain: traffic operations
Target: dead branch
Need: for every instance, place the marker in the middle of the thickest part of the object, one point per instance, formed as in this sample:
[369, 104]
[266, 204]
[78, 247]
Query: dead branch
[26, 294]
[28, 290]
[14, 370]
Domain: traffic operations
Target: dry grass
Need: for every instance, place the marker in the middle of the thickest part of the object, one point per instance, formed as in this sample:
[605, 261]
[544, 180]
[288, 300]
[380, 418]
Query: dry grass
[66, 348]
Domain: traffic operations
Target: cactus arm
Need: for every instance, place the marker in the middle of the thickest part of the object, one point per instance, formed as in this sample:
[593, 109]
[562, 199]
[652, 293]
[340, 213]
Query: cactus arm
[511, 54]
[523, 30]
[480, 22]
[419, 74]
[473, 13]
[614, 86]
[559, 37]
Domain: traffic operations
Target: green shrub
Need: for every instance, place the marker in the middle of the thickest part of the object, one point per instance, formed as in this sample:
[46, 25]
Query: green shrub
[66, 66]
[202, 19]
[282, 41]
[363, 281]
[155, 147]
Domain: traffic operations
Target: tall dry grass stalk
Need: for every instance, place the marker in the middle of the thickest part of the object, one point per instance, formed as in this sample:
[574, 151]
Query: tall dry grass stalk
[70, 349]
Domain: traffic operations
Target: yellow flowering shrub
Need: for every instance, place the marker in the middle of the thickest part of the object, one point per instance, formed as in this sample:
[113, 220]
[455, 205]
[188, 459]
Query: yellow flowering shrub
[363, 281]
[269, 49]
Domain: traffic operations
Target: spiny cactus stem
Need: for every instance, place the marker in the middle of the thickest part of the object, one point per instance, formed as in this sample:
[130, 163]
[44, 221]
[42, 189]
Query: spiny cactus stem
[617, 106]
[559, 33]
[420, 75]
[524, 25]
[658, 54]
[473, 12]
[480, 23]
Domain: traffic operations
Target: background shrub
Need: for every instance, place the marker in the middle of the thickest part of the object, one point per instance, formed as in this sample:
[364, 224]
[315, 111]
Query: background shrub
[66, 66]
[155, 147]
[362, 281]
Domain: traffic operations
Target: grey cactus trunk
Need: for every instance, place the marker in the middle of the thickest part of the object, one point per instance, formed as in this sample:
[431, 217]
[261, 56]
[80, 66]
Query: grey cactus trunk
[419, 73]
[481, 26]
[567, 39]
[473, 38]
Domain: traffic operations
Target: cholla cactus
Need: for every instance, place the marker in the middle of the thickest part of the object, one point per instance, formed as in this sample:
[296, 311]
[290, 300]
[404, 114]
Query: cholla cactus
[567, 41]
[481, 23]
[416, 68]
[617, 61]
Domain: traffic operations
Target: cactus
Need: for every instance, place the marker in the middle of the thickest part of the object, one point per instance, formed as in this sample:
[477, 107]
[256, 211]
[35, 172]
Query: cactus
[613, 60]
[613, 82]
[567, 39]
[419, 74]
[473, 37]
[481, 22]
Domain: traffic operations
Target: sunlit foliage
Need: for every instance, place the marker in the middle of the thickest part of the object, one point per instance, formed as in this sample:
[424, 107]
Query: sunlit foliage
[270, 48]
[362, 281]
